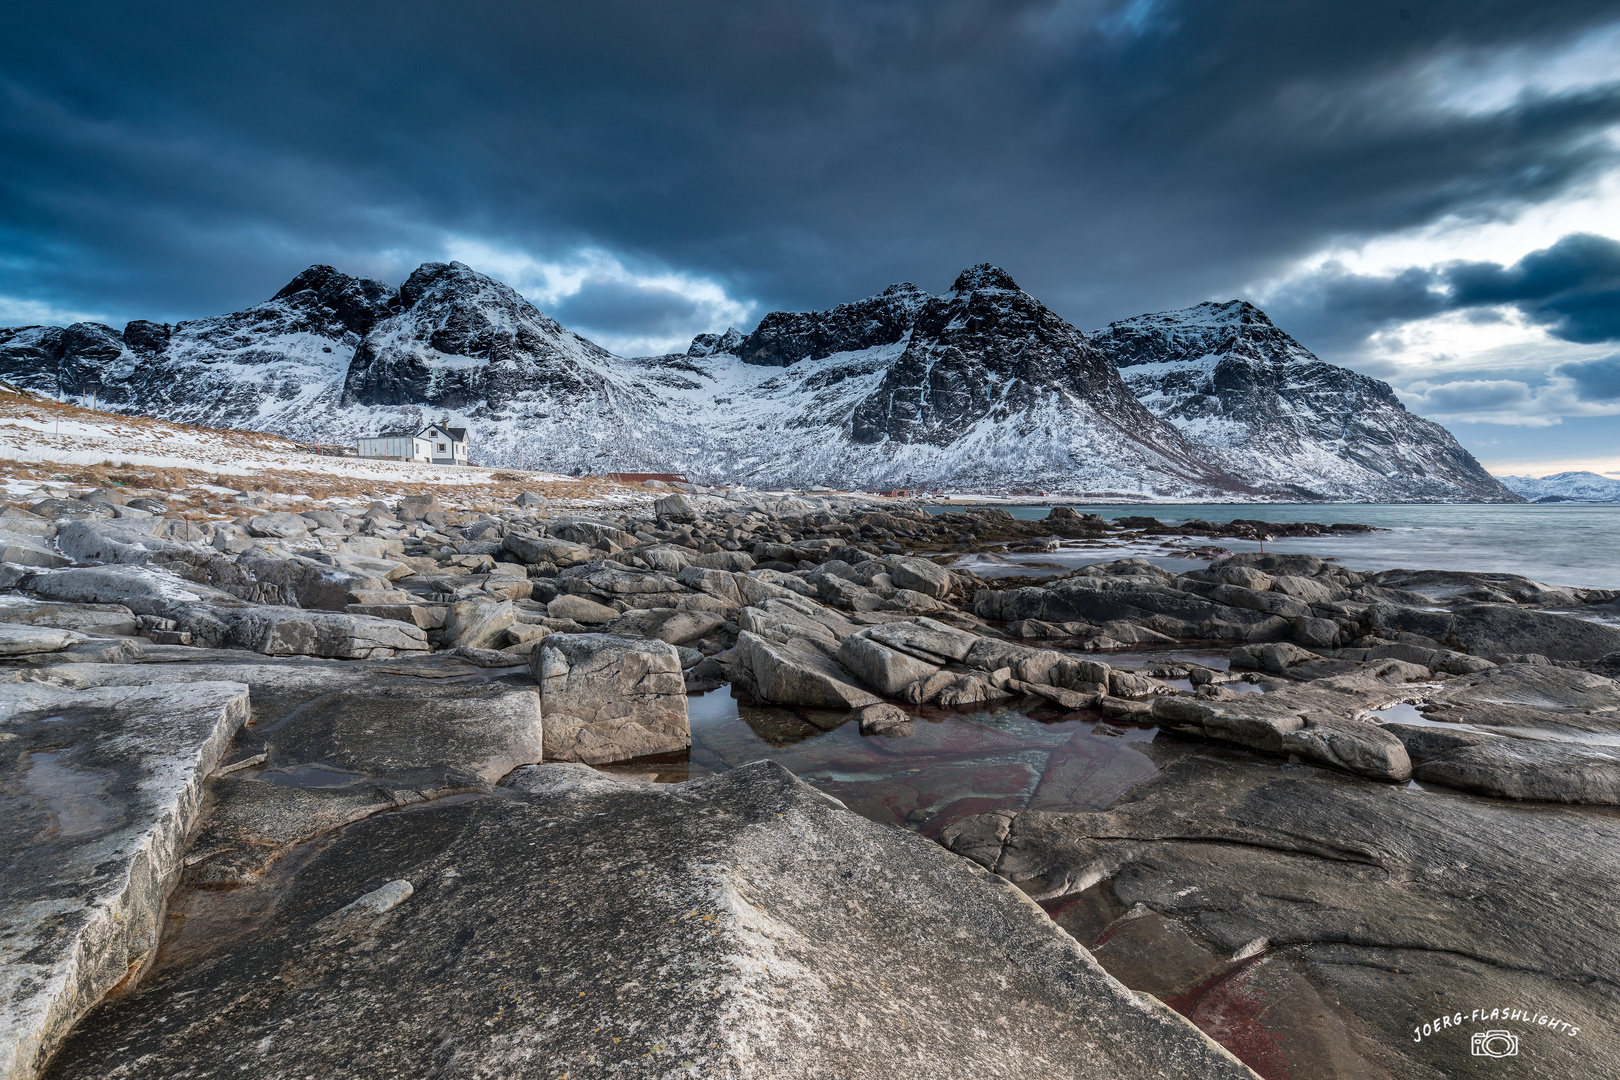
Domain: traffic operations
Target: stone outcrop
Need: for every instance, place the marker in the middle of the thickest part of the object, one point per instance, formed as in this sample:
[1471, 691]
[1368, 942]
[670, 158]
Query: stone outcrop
[725, 926]
[606, 698]
[1228, 889]
[100, 789]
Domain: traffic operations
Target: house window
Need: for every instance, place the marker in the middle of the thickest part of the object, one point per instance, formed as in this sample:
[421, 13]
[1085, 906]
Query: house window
[441, 448]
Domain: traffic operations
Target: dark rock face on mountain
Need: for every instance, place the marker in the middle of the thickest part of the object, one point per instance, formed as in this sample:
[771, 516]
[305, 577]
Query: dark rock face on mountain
[990, 351]
[447, 315]
[1255, 401]
[73, 361]
[786, 337]
[357, 303]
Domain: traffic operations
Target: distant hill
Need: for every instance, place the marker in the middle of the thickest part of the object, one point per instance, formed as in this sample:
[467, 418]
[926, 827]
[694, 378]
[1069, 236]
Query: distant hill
[1586, 487]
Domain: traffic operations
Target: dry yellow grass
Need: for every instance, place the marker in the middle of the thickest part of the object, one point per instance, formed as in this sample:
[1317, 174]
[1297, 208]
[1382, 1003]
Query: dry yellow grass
[241, 460]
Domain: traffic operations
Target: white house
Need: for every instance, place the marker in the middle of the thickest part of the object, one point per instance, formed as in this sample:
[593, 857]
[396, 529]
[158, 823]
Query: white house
[446, 445]
[436, 444]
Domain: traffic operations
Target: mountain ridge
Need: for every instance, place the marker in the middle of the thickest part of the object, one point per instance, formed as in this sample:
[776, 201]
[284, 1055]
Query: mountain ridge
[980, 388]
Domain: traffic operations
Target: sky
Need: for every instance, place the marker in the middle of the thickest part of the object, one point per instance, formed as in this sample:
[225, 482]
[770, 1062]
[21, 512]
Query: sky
[1425, 191]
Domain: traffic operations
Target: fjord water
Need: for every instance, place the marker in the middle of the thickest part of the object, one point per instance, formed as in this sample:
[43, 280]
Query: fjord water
[1558, 543]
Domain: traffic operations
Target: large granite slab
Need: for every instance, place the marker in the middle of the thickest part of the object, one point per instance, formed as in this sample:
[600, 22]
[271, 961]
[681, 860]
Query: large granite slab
[99, 789]
[739, 926]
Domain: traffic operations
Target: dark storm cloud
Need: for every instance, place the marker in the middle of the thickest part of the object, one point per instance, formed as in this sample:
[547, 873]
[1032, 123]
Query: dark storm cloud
[1595, 380]
[1571, 287]
[169, 159]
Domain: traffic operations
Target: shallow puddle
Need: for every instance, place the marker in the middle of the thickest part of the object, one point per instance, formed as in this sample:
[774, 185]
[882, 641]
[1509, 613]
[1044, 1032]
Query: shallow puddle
[953, 765]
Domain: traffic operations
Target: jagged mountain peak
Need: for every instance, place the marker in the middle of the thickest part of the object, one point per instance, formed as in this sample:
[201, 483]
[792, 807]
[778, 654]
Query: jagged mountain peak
[358, 303]
[1252, 399]
[784, 338]
[984, 276]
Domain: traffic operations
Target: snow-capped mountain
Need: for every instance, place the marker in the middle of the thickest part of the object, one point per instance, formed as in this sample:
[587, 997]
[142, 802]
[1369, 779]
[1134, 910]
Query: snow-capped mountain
[983, 388]
[1565, 487]
[1259, 404]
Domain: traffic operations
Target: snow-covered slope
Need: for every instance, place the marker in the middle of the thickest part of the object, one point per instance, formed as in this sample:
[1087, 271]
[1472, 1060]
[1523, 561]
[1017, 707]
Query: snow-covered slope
[1565, 487]
[1258, 403]
[982, 388]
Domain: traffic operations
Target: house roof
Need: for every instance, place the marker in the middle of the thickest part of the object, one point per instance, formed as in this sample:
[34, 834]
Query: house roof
[459, 434]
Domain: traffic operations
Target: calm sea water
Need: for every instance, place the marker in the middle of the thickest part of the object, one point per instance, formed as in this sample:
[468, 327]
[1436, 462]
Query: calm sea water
[1560, 543]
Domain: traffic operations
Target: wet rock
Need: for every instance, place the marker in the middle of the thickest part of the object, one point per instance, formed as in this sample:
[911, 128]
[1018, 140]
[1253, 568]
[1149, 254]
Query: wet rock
[606, 698]
[750, 929]
[966, 690]
[1513, 768]
[99, 789]
[890, 721]
[1392, 907]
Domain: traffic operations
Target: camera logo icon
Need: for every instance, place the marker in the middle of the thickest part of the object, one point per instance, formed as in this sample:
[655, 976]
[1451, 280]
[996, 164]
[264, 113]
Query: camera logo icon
[1494, 1044]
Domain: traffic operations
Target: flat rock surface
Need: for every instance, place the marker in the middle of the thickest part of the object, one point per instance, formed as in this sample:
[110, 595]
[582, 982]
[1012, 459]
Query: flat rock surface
[738, 926]
[98, 791]
[1390, 906]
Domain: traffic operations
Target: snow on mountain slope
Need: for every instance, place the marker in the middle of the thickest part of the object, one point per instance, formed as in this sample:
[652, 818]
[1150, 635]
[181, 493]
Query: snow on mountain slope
[1565, 487]
[1258, 403]
[983, 388]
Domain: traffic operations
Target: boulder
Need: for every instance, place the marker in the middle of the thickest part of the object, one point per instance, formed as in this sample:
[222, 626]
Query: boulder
[105, 619]
[924, 638]
[27, 640]
[791, 674]
[284, 631]
[738, 562]
[478, 624]
[30, 551]
[676, 509]
[890, 721]
[1353, 745]
[278, 525]
[543, 550]
[100, 789]
[883, 669]
[921, 576]
[1512, 768]
[143, 590]
[673, 625]
[606, 698]
[581, 610]
[741, 925]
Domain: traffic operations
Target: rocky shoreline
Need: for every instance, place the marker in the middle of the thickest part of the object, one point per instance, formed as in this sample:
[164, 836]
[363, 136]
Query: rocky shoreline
[306, 788]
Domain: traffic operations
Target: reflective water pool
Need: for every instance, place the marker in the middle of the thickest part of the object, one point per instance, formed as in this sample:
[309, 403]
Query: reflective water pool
[1008, 756]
